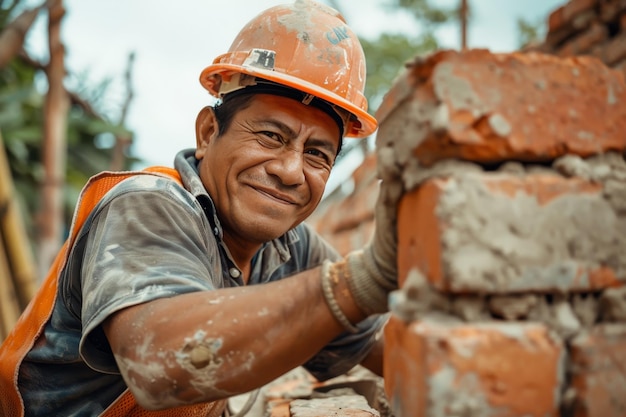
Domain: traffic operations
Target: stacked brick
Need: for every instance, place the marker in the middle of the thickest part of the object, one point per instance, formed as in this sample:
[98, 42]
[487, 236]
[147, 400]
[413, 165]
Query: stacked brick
[512, 236]
[589, 27]
[346, 218]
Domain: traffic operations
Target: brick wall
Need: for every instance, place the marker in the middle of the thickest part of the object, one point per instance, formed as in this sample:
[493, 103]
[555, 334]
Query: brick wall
[512, 235]
[512, 231]
[589, 27]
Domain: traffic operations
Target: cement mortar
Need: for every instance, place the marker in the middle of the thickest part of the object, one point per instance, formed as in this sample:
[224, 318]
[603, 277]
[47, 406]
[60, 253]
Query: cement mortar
[512, 307]
[340, 405]
[613, 304]
[499, 244]
[494, 243]
[466, 399]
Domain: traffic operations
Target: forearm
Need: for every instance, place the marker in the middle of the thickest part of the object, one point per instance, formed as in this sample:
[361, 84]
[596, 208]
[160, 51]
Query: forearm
[374, 359]
[209, 345]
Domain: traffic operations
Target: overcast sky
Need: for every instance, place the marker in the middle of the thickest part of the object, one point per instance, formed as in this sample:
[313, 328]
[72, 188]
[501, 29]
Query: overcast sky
[175, 40]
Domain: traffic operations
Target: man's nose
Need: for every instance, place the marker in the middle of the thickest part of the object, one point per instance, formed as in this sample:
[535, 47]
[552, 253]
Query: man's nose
[288, 166]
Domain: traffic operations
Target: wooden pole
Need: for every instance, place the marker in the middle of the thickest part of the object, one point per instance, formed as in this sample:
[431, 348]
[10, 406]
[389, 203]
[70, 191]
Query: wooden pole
[56, 108]
[9, 306]
[123, 141]
[12, 36]
[463, 17]
[17, 247]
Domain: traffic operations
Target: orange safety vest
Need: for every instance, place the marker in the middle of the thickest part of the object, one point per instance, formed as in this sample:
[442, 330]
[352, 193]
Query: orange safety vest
[32, 321]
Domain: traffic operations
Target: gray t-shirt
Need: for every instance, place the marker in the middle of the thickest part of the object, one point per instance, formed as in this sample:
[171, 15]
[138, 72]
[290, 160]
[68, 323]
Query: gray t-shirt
[150, 238]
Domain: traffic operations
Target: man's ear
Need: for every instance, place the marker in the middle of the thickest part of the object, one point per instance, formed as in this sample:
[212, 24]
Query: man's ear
[206, 130]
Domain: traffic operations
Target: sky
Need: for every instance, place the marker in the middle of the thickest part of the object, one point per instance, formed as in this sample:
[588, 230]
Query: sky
[174, 40]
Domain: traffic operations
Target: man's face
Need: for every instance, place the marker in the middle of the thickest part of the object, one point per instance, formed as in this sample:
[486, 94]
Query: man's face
[267, 172]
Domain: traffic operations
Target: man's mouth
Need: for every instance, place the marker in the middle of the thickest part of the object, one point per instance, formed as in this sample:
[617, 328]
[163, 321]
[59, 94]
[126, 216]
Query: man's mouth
[277, 195]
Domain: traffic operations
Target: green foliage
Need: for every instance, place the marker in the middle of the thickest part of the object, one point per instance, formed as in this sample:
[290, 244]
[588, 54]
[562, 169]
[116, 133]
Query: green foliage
[424, 12]
[21, 126]
[528, 32]
[387, 55]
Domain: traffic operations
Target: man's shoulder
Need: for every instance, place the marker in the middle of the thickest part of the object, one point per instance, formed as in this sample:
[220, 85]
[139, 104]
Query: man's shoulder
[149, 182]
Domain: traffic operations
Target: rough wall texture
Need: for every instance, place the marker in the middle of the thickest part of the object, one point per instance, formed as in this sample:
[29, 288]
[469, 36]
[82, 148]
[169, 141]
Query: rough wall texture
[512, 235]
[512, 231]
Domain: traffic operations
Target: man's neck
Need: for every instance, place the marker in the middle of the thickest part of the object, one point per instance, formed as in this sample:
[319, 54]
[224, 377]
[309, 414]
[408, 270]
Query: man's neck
[242, 255]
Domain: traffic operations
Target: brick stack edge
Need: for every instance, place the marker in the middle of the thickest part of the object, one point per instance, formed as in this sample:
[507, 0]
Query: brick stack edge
[512, 236]
[512, 231]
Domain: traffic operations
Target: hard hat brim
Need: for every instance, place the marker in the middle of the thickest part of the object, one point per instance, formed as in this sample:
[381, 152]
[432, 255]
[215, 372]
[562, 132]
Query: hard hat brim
[363, 127]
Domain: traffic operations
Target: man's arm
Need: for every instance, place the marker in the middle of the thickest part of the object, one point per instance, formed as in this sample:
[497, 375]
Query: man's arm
[374, 359]
[209, 345]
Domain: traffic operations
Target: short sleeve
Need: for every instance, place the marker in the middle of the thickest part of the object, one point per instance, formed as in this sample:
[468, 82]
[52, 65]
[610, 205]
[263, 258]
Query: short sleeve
[150, 240]
[347, 350]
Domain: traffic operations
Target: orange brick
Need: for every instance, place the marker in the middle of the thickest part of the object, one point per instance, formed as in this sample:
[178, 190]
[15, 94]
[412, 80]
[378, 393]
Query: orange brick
[348, 240]
[610, 10]
[489, 108]
[347, 220]
[566, 13]
[336, 406]
[497, 233]
[611, 52]
[441, 369]
[598, 362]
[583, 42]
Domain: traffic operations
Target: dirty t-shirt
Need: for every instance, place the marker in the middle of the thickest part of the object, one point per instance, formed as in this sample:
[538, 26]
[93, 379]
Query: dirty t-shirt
[150, 238]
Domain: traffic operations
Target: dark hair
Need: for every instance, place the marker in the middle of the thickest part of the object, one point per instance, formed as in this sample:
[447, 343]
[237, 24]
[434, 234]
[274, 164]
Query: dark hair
[230, 104]
[226, 109]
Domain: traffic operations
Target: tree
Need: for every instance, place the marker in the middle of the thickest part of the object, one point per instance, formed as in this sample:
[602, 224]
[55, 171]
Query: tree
[528, 32]
[22, 121]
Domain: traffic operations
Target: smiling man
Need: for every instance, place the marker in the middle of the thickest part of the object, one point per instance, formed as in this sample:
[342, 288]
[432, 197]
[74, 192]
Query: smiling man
[179, 288]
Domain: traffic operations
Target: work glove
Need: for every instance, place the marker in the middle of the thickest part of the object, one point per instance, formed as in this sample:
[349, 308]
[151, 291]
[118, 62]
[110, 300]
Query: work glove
[372, 272]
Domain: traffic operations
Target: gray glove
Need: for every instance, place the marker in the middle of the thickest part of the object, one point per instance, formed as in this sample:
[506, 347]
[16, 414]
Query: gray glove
[372, 272]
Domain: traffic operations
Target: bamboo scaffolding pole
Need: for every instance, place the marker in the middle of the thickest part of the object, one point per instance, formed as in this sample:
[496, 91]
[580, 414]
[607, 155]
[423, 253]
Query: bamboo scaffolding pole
[54, 154]
[9, 304]
[16, 245]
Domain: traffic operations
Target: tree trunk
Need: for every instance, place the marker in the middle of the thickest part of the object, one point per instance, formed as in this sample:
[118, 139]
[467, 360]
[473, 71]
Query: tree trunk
[12, 37]
[464, 11]
[124, 140]
[19, 253]
[56, 108]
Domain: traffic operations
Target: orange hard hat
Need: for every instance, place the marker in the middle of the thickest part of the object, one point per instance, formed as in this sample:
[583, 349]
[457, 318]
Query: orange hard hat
[306, 46]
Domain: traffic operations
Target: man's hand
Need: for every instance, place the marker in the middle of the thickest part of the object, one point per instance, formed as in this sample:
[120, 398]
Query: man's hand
[371, 273]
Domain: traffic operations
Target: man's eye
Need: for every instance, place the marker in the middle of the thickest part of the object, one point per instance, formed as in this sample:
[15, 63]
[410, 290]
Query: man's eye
[271, 135]
[269, 139]
[320, 156]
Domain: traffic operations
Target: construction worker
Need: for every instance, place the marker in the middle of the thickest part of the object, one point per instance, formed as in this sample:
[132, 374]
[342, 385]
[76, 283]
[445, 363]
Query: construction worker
[179, 288]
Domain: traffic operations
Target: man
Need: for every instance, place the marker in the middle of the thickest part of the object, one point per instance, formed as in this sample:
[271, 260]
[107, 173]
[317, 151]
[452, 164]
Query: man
[184, 288]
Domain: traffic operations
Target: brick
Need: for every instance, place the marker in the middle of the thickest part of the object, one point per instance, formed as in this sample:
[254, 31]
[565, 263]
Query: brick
[342, 214]
[348, 240]
[436, 368]
[279, 408]
[502, 233]
[612, 51]
[610, 10]
[598, 367]
[336, 406]
[564, 14]
[490, 108]
[583, 42]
